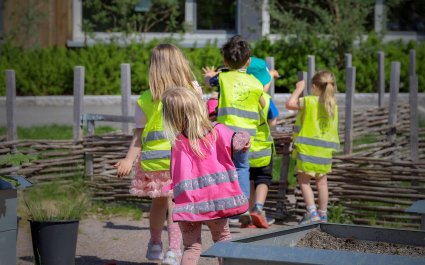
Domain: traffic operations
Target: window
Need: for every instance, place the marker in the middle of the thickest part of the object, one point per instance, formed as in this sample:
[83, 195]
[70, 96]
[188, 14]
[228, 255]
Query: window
[408, 15]
[133, 16]
[216, 15]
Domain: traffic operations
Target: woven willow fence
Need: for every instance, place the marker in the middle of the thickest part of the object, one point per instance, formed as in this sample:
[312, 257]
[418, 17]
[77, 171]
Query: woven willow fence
[374, 184]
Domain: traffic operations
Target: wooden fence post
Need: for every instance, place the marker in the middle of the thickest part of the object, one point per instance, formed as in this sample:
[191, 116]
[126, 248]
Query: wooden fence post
[381, 79]
[270, 65]
[125, 95]
[311, 70]
[10, 105]
[348, 60]
[302, 76]
[414, 130]
[350, 85]
[394, 87]
[78, 101]
[412, 62]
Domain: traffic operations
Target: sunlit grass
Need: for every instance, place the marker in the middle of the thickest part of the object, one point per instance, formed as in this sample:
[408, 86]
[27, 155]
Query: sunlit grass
[52, 132]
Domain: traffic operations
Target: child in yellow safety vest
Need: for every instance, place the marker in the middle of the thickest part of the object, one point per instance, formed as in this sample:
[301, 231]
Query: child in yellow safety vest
[152, 151]
[315, 139]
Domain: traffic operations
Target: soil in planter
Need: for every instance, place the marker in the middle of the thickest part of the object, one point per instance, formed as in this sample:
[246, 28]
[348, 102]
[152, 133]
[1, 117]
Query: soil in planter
[322, 240]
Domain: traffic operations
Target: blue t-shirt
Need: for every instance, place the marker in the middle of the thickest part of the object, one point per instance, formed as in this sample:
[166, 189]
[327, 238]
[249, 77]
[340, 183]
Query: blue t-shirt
[273, 111]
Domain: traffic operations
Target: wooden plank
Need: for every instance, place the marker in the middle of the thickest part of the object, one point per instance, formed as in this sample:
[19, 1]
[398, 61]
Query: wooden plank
[78, 101]
[414, 119]
[394, 88]
[302, 76]
[270, 65]
[125, 95]
[349, 99]
[311, 70]
[381, 79]
[10, 105]
[412, 62]
[348, 60]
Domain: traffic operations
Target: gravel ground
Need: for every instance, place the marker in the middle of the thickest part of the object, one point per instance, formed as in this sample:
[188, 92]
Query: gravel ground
[117, 240]
[322, 240]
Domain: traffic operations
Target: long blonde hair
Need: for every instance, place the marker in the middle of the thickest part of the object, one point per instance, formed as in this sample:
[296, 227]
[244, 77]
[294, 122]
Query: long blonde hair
[326, 84]
[185, 112]
[168, 68]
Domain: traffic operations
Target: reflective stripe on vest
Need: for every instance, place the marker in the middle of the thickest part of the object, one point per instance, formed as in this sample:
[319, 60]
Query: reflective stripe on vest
[314, 159]
[238, 112]
[317, 142]
[260, 151]
[212, 205]
[156, 149]
[205, 181]
[317, 138]
[238, 129]
[157, 154]
[155, 135]
[239, 101]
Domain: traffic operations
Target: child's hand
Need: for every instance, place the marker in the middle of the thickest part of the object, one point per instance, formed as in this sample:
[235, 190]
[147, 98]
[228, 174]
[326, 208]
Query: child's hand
[274, 74]
[300, 85]
[246, 147]
[209, 71]
[123, 167]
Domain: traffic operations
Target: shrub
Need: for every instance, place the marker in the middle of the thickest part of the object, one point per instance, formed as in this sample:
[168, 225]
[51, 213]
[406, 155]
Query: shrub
[49, 71]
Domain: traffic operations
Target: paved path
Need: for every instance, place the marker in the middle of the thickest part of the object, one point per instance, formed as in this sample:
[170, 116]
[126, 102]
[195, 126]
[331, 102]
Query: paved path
[118, 241]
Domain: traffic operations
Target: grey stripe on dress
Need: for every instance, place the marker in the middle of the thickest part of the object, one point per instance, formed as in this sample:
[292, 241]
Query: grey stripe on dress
[212, 205]
[205, 181]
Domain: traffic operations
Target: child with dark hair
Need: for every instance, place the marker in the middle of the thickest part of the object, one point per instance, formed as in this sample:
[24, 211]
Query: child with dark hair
[239, 104]
[260, 155]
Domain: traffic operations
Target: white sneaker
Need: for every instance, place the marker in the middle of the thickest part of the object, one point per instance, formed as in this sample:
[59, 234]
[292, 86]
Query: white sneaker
[154, 252]
[172, 258]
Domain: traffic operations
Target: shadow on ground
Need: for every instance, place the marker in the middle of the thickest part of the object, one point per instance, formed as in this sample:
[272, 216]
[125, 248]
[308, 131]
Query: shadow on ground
[111, 225]
[92, 260]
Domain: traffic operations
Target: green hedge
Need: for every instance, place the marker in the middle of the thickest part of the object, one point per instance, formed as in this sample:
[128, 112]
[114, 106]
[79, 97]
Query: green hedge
[49, 71]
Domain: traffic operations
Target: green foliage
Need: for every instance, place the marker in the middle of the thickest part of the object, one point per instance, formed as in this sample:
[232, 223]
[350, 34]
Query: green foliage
[335, 22]
[336, 214]
[16, 159]
[49, 71]
[54, 201]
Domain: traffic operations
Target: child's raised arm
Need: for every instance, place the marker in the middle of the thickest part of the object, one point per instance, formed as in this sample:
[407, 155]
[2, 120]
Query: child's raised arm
[293, 101]
[208, 73]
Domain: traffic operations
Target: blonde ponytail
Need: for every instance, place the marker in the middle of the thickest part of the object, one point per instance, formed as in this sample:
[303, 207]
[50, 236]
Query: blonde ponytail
[325, 82]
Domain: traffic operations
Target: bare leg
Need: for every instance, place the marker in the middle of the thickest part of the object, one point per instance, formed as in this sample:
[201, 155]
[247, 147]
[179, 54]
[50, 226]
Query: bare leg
[174, 234]
[252, 195]
[157, 216]
[308, 195]
[322, 187]
[261, 193]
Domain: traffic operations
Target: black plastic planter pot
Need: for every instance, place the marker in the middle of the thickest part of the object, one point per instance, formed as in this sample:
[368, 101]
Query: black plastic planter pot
[54, 242]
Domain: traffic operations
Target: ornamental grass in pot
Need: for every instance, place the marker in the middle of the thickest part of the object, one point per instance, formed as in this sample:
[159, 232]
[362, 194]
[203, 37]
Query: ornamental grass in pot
[54, 211]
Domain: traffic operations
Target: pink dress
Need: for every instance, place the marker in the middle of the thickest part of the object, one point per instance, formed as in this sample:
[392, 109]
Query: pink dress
[206, 188]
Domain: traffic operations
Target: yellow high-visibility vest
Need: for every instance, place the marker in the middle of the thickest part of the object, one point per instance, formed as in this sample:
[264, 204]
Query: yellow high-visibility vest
[315, 137]
[260, 152]
[156, 149]
[238, 103]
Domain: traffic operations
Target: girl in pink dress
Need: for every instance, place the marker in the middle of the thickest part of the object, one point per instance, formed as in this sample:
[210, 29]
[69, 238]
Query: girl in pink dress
[204, 179]
[149, 147]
